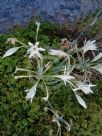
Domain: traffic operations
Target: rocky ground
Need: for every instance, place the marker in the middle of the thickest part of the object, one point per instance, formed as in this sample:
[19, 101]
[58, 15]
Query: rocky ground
[19, 11]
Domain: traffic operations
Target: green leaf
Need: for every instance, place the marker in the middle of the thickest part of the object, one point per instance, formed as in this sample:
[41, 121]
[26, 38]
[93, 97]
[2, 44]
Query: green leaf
[10, 51]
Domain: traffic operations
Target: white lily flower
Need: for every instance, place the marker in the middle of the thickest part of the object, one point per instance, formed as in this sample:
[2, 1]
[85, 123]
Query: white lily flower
[31, 93]
[58, 53]
[98, 68]
[89, 45]
[97, 57]
[86, 88]
[34, 51]
[12, 40]
[65, 77]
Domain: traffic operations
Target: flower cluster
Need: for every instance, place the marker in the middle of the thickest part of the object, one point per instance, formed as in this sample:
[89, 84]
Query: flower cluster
[70, 61]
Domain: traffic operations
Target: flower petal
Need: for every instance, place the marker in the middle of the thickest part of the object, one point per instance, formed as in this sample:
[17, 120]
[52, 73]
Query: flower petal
[89, 45]
[41, 49]
[30, 44]
[36, 44]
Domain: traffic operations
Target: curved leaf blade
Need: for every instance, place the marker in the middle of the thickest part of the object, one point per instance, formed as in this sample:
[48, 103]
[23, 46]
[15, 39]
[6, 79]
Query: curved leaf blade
[10, 51]
[81, 101]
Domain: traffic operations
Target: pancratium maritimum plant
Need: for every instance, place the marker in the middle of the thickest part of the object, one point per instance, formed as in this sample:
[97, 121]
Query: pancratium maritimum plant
[70, 62]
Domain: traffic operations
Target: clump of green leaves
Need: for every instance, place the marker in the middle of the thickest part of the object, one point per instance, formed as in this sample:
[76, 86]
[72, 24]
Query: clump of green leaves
[70, 65]
[50, 70]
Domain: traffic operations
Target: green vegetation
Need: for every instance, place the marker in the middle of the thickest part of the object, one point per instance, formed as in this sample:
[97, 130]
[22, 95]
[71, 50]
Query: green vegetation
[19, 117]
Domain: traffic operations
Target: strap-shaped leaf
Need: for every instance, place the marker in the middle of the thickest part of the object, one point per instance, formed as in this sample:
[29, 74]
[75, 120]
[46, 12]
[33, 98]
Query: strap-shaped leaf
[97, 57]
[98, 68]
[81, 101]
[10, 51]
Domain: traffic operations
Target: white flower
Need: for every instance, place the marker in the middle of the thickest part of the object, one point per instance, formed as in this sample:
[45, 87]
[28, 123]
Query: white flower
[65, 77]
[31, 93]
[98, 68]
[89, 45]
[12, 40]
[97, 57]
[34, 51]
[86, 88]
[58, 53]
